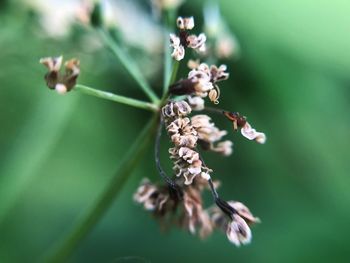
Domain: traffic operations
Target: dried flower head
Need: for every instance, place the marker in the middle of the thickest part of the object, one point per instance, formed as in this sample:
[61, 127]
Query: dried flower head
[182, 133]
[209, 134]
[184, 40]
[151, 196]
[238, 231]
[62, 83]
[236, 224]
[201, 81]
[177, 108]
[196, 103]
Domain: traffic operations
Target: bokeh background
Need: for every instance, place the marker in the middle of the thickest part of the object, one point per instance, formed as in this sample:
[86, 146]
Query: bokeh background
[58, 153]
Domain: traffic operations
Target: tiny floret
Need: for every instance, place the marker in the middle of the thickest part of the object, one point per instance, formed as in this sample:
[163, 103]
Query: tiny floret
[184, 40]
[238, 231]
[186, 23]
[251, 134]
[62, 83]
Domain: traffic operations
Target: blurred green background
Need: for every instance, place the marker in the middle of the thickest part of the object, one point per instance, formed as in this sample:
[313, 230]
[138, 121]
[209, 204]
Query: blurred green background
[59, 152]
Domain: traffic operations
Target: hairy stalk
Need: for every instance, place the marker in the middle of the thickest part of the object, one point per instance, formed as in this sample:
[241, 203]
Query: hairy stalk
[128, 63]
[117, 98]
[65, 248]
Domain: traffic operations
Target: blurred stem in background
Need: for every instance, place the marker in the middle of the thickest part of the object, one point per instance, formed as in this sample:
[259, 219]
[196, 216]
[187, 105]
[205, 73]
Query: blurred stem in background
[64, 249]
[22, 165]
[128, 64]
[168, 20]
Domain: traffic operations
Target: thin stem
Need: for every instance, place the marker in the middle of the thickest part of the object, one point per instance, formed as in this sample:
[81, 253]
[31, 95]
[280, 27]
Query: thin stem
[117, 98]
[128, 63]
[173, 187]
[157, 154]
[169, 21]
[215, 110]
[64, 249]
[176, 65]
[167, 62]
[223, 205]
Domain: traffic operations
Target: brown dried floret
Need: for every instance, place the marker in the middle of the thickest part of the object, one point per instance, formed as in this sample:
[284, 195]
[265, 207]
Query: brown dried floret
[62, 83]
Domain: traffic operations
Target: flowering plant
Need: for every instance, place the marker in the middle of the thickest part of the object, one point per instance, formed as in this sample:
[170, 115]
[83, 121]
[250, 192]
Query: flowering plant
[181, 110]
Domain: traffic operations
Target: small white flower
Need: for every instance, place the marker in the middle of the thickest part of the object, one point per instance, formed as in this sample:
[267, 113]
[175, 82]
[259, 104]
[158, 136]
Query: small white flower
[251, 134]
[207, 131]
[184, 40]
[52, 63]
[244, 212]
[197, 42]
[205, 176]
[179, 50]
[188, 154]
[201, 78]
[225, 148]
[196, 102]
[238, 231]
[186, 23]
[176, 109]
[218, 73]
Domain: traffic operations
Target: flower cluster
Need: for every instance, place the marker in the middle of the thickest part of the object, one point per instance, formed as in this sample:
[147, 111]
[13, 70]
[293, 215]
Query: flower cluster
[192, 176]
[185, 40]
[62, 83]
[181, 198]
[186, 133]
[236, 228]
[191, 215]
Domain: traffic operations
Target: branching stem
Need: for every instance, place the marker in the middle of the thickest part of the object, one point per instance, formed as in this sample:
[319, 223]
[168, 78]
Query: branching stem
[129, 65]
[64, 249]
[117, 98]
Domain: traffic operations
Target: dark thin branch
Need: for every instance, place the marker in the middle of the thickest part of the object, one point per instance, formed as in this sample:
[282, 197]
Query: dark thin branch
[223, 205]
[173, 187]
[215, 110]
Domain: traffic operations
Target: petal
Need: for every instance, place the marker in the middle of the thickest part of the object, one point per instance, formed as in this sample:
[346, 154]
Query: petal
[174, 40]
[251, 134]
[238, 231]
[244, 212]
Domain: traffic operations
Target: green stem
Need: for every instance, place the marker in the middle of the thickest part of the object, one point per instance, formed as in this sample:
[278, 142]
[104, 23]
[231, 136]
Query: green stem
[167, 62]
[128, 63]
[117, 98]
[169, 21]
[174, 72]
[94, 214]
